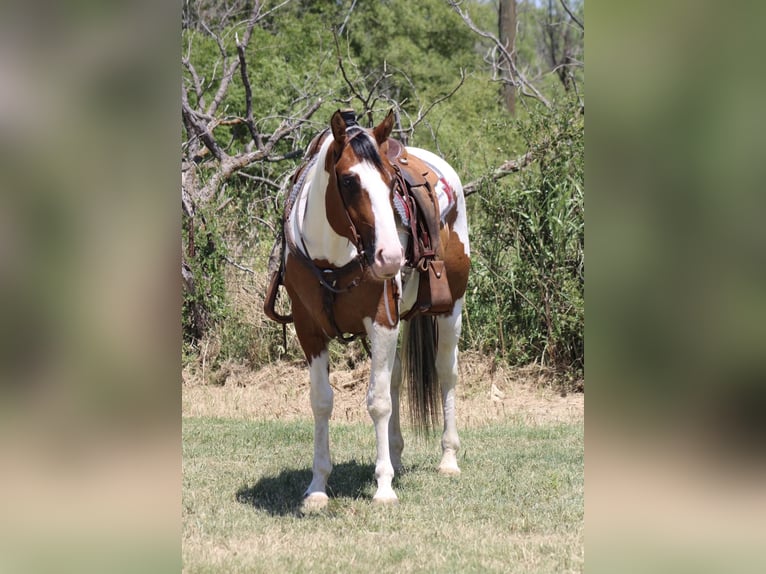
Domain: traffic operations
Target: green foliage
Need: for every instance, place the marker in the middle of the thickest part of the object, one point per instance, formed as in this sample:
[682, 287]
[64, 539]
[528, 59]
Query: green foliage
[206, 304]
[527, 296]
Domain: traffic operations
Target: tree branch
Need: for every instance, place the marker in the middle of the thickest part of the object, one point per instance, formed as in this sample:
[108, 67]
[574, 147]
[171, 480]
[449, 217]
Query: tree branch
[232, 164]
[229, 74]
[248, 96]
[196, 82]
[260, 179]
[348, 15]
[572, 16]
[202, 131]
[509, 167]
[422, 115]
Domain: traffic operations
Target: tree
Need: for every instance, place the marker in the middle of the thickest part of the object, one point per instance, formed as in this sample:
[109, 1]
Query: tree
[221, 138]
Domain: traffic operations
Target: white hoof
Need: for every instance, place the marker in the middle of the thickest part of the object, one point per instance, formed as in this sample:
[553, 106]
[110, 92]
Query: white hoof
[385, 498]
[314, 502]
[448, 470]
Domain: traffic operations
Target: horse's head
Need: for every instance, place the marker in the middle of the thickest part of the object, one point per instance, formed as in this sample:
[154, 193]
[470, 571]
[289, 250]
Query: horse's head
[360, 192]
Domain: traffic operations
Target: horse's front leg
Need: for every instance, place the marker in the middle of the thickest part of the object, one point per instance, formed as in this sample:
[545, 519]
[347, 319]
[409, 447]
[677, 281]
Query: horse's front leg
[383, 341]
[321, 405]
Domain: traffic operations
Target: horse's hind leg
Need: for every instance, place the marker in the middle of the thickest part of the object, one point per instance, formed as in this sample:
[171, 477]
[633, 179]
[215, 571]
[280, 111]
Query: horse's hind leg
[447, 369]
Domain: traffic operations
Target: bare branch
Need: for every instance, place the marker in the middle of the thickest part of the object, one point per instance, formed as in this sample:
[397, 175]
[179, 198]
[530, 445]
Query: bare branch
[231, 164]
[202, 131]
[226, 79]
[518, 79]
[259, 179]
[348, 15]
[349, 83]
[572, 16]
[196, 82]
[261, 15]
[289, 155]
[509, 167]
[230, 261]
[422, 115]
[248, 96]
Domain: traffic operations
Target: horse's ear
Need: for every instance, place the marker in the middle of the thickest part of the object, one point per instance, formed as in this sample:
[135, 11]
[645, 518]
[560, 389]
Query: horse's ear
[338, 125]
[383, 130]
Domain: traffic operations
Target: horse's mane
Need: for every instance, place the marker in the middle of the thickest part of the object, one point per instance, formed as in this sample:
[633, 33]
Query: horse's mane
[363, 146]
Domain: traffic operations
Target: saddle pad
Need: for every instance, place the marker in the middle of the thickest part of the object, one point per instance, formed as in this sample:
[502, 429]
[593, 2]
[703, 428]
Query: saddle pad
[445, 196]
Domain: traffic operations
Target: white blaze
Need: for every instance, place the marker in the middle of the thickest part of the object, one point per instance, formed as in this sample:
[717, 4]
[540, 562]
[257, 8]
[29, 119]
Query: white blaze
[388, 249]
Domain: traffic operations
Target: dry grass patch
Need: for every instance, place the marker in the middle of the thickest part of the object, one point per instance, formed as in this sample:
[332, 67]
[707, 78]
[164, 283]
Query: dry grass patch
[488, 391]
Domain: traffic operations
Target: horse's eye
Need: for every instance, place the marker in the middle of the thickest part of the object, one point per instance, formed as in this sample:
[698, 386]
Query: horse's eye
[349, 182]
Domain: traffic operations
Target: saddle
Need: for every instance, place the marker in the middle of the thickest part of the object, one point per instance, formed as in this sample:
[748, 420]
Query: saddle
[414, 192]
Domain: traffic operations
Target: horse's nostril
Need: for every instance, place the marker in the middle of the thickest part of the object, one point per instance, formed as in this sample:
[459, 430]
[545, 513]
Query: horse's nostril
[386, 258]
[387, 262]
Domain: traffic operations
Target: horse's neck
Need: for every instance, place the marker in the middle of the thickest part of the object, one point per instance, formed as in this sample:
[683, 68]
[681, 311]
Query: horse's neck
[321, 241]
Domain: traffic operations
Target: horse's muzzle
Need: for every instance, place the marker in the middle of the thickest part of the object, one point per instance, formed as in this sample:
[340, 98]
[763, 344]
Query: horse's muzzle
[387, 262]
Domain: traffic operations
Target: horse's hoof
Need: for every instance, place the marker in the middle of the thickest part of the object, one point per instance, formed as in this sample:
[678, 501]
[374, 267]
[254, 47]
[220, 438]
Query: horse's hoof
[449, 470]
[315, 502]
[385, 499]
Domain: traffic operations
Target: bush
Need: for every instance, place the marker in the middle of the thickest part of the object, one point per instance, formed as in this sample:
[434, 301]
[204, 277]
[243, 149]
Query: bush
[526, 302]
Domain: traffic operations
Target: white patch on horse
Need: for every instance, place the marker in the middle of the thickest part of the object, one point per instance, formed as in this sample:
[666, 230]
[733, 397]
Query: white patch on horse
[309, 219]
[409, 292]
[449, 327]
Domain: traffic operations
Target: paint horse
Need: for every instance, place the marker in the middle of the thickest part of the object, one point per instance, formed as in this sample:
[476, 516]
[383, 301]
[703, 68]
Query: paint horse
[356, 263]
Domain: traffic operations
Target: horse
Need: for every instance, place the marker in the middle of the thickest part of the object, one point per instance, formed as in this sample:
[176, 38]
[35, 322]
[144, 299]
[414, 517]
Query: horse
[354, 263]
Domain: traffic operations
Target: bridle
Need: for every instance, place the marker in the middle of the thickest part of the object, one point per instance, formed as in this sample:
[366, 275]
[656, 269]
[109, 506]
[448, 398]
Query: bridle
[334, 280]
[364, 254]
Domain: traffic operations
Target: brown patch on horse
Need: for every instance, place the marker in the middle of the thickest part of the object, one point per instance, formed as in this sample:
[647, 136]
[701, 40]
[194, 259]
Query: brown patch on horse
[310, 334]
[456, 261]
[344, 200]
[388, 306]
[365, 301]
[334, 207]
[349, 308]
[451, 216]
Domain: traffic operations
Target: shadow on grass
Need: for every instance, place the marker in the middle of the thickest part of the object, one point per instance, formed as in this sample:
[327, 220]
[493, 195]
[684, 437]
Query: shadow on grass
[282, 494]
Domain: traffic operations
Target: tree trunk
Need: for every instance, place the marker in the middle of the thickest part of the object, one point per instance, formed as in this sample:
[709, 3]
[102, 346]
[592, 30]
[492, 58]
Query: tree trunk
[507, 29]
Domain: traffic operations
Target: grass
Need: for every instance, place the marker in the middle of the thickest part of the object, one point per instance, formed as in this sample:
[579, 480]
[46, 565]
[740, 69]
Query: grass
[517, 507]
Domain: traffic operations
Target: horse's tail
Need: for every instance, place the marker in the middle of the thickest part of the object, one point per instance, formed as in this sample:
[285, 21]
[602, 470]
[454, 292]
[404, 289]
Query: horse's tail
[419, 372]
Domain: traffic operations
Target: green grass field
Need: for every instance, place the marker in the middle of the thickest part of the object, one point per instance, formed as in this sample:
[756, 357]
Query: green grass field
[517, 507]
